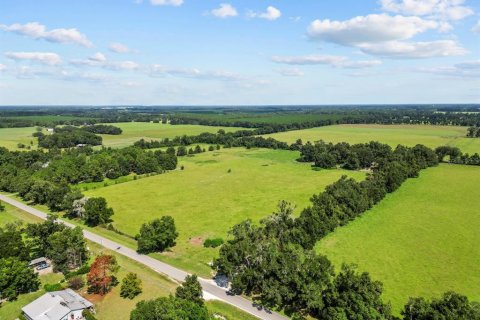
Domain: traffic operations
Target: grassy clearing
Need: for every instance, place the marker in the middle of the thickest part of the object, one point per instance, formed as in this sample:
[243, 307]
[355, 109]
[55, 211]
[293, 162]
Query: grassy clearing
[410, 135]
[262, 117]
[206, 200]
[11, 137]
[421, 240]
[133, 131]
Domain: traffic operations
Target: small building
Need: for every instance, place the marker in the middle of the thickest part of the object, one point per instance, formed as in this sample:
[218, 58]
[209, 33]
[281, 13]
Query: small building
[38, 262]
[50, 129]
[57, 305]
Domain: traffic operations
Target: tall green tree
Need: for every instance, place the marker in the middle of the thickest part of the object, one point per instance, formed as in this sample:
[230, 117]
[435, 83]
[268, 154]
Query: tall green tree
[191, 290]
[131, 286]
[67, 249]
[97, 212]
[157, 235]
[16, 278]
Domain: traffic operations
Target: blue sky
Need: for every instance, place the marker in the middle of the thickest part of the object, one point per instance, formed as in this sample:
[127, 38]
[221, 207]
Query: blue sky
[203, 52]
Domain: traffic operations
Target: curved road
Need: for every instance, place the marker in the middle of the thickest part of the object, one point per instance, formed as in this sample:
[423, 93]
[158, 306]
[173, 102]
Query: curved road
[208, 286]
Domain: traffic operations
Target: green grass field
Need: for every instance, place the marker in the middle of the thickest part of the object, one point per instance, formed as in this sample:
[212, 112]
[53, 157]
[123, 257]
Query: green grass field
[134, 131]
[206, 200]
[410, 135]
[11, 137]
[421, 240]
[262, 117]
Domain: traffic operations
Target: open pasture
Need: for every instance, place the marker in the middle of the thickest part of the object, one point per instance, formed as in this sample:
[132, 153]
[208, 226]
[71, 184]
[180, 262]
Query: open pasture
[215, 191]
[421, 240]
[11, 137]
[134, 131]
[409, 135]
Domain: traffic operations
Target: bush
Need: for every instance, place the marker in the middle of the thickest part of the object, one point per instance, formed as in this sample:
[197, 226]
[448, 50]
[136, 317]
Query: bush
[53, 287]
[76, 283]
[88, 315]
[213, 243]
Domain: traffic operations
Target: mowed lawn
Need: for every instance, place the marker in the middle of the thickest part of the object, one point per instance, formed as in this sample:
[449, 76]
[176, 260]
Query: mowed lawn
[206, 200]
[11, 137]
[422, 240]
[409, 135]
[134, 131]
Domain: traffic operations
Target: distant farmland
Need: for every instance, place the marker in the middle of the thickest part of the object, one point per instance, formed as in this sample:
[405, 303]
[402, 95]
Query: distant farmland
[206, 200]
[409, 135]
[422, 240]
[133, 131]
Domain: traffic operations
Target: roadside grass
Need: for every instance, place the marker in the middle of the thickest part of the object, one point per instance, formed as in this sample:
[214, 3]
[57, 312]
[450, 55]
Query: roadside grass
[409, 135]
[421, 240]
[215, 191]
[134, 131]
[227, 311]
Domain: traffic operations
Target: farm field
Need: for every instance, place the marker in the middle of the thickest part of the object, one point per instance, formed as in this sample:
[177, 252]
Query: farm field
[206, 200]
[134, 131]
[410, 135]
[110, 306]
[11, 137]
[422, 240]
[262, 117]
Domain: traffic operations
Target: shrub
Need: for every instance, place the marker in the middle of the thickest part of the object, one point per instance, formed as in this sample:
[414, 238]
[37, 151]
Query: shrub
[76, 282]
[88, 315]
[53, 287]
[213, 243]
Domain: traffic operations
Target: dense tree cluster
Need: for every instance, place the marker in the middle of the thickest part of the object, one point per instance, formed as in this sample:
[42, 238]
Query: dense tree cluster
[66, 247]
[157, 235]
[187, 304]
[266, 262]
[450, 306]
[473, 132]
[68, 137]
[103, 129]
[456, 156]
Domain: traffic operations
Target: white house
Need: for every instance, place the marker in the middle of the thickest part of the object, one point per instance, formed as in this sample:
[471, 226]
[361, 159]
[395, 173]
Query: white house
[57, 305]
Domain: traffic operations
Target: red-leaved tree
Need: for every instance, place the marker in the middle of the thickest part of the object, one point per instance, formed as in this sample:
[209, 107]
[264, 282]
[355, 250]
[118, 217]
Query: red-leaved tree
[101, 277]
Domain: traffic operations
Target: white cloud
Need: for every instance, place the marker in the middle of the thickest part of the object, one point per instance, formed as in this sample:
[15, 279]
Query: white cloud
[476, 28]
[99, 60]
[440, 9]
[271, 14]
[415, 50]
[334, 61]
[224, 11]
[370, 28]
[295, 72]
[47, 58]
[98, 57]
[469, 69]
[3, 67]
[174, 3]
[162, 70]
[36, 30]
[118, 48]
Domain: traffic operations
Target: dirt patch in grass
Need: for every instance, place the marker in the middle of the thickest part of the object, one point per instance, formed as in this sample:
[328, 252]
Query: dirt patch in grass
[197, 241]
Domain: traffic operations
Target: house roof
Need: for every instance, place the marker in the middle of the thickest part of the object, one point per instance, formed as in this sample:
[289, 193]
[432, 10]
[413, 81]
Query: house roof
[37, 261]
[56, 305]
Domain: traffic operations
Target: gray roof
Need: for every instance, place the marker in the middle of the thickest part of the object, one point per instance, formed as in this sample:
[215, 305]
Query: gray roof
[37, 261]
[56, 305]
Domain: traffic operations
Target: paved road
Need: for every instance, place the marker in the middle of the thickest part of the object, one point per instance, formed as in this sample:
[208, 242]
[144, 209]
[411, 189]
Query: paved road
[179, 275]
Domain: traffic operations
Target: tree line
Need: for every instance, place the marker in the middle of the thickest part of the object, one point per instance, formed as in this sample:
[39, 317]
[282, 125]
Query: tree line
[49, 177]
